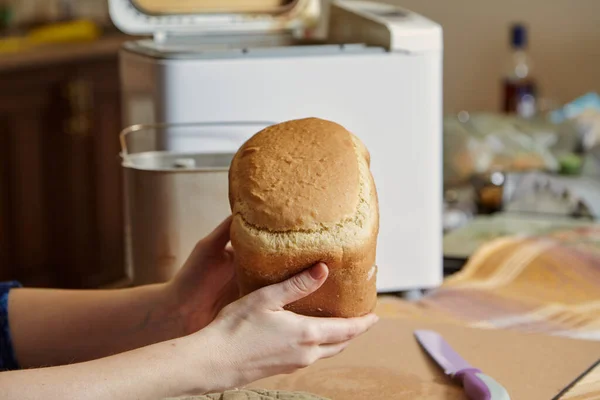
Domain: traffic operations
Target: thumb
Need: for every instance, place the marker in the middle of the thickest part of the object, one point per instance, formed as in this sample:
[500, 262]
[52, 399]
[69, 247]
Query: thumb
[219, 237]
[297, 287]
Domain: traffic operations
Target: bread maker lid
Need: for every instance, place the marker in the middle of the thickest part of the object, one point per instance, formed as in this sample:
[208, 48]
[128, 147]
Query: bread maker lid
[206, 17]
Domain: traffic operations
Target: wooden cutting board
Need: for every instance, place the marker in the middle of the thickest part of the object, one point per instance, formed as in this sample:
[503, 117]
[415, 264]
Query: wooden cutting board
[387, 363]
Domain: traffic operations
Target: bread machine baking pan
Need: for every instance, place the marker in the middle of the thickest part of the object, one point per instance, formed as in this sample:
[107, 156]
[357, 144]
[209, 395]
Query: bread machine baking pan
[176, 190]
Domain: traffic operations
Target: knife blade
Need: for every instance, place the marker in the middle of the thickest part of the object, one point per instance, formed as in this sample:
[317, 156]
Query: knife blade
[476, 384]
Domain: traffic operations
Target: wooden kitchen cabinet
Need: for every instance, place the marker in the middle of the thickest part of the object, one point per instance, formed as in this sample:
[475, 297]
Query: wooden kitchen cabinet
[61, 209]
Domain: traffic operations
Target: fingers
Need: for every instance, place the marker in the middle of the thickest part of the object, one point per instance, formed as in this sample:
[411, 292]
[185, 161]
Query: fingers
[219, 237]
[336, 330]
[229, 251]
[330, 350]
[275, 297]
[335, 335]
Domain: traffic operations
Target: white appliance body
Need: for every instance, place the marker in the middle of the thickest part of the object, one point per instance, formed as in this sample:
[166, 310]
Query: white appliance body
[392, 100]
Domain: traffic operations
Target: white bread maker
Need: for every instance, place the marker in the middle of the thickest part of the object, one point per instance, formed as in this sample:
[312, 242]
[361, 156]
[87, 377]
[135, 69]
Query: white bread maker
[374, 68]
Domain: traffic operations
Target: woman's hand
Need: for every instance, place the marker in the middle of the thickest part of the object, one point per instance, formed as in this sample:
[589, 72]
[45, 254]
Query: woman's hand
[83, 325]
[255, 337]
[206, 282]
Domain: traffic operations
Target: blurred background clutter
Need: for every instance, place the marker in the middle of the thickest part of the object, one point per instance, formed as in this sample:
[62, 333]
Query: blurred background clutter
[521, 130]
[61, 219]
[115, 148]
[562, 40]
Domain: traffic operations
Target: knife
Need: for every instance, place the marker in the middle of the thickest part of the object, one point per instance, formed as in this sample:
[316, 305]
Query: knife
[475, 383]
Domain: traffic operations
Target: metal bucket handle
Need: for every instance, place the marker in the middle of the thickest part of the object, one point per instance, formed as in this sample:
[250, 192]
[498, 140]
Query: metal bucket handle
[141, 127]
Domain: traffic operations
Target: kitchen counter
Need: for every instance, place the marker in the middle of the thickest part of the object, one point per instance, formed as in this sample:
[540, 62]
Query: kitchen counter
[49, 55]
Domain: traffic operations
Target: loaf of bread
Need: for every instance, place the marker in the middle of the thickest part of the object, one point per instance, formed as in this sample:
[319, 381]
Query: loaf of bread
[301, 192]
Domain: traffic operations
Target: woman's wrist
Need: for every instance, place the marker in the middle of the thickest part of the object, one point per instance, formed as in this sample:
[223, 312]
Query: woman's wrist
[165, 314]
[209, 364]
[187, 366]
[181, 369]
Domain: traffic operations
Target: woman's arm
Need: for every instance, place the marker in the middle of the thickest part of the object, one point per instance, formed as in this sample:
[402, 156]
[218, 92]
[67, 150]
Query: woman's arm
[154, 372]
[56, 327]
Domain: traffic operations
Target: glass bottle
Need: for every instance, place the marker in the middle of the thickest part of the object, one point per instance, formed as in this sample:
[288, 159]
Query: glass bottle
[520, 89]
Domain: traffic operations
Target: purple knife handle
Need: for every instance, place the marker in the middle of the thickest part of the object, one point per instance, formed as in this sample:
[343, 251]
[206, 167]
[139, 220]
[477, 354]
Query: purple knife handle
[474, 387]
